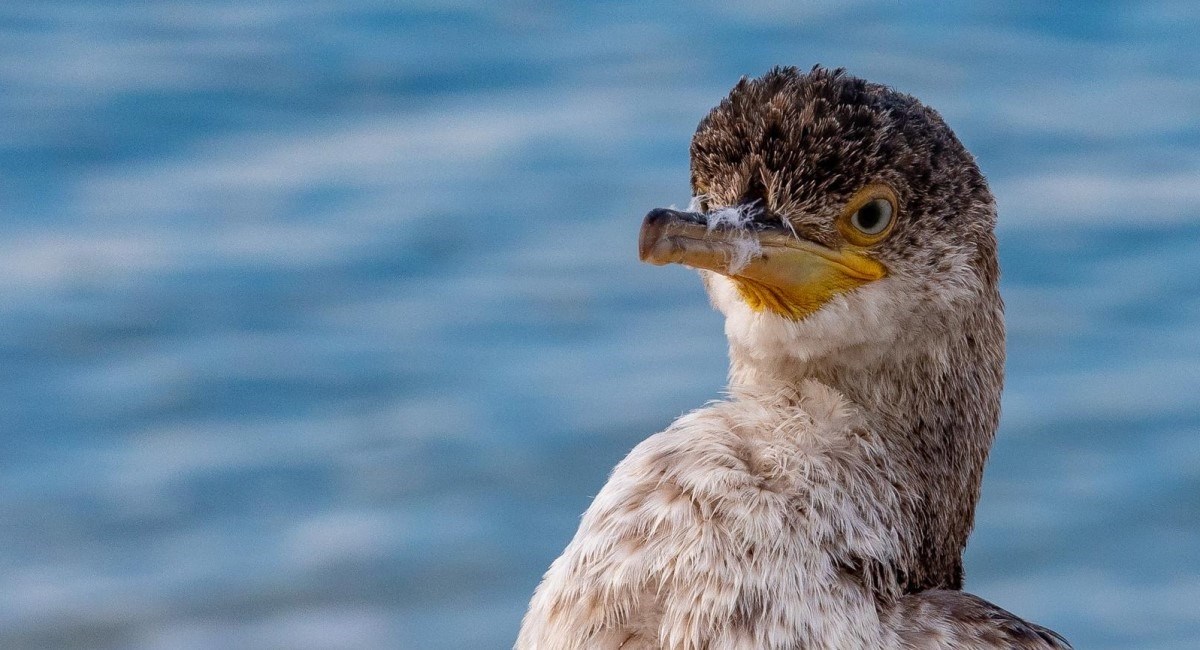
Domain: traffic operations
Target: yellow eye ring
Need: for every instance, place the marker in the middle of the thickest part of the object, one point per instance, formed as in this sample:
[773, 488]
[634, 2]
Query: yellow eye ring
[869, 215]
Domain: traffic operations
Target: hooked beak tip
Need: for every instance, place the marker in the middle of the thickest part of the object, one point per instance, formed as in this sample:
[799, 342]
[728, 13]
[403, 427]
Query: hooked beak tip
[652, 240]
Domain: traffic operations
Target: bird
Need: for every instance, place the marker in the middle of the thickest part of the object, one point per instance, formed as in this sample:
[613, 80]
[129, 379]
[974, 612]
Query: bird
[848, 238]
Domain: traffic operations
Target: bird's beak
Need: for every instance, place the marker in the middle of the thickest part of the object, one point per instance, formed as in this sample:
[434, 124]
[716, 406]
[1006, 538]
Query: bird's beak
[773, 268]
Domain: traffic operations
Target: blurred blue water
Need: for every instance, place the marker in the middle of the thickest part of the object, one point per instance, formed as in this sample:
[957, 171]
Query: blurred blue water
[320, 322]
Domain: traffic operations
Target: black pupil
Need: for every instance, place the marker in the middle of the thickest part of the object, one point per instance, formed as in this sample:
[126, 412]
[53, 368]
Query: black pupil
[870, 215]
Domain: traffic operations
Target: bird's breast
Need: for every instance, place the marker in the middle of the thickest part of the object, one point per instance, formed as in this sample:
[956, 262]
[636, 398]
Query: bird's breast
[732, 525]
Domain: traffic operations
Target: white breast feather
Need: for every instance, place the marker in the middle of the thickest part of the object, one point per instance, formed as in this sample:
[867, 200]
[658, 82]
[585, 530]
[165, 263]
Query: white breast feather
[723, 532]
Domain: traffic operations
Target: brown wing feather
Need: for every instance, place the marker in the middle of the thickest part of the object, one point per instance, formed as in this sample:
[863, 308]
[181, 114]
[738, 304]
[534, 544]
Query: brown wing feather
[941, 618]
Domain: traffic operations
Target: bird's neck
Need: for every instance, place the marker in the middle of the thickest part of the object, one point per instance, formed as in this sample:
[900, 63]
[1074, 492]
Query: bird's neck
[934, 404]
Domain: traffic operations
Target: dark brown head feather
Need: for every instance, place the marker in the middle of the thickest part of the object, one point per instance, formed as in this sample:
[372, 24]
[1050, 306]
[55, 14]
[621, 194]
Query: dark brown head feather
[803, 143]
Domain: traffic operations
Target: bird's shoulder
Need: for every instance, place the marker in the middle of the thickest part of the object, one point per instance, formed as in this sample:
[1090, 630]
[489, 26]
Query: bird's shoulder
[753, 462]
[763, 440]
[725, 527]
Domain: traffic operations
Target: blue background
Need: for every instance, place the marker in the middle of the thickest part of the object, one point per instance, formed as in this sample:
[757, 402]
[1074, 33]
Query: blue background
[320, 322]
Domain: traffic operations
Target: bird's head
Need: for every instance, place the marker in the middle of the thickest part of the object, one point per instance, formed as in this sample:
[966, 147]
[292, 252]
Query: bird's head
[831, 215]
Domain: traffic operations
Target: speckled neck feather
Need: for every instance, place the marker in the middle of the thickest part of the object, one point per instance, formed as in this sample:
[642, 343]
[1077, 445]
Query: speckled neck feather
[937, 414]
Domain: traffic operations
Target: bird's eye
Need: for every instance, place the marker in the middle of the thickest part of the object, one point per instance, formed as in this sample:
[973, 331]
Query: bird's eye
[869, 215]
[873, 218]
